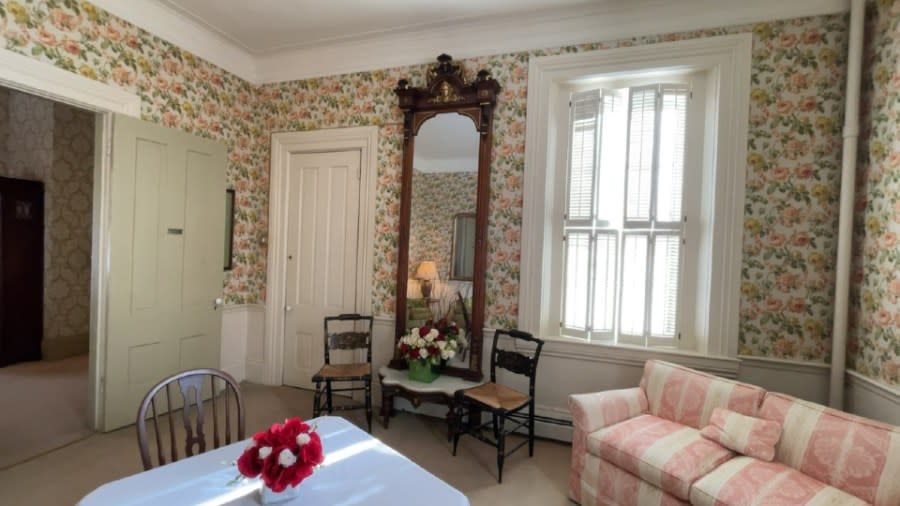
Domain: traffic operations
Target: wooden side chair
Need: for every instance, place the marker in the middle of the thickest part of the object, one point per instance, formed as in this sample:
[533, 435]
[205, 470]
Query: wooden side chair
[189, 384]
[357, 371]
[502, 402]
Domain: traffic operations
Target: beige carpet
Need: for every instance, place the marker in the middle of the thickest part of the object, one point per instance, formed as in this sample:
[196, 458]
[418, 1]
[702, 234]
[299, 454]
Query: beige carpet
[65, 475]
[43, 406]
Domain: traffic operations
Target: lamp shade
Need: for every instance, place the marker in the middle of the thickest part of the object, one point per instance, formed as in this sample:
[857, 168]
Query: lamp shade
[427, 270]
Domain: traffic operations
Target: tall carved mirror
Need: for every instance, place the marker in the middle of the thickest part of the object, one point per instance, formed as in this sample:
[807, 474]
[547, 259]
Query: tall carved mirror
[444, 205]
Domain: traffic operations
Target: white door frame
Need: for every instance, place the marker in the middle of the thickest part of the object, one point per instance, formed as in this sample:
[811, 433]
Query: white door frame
[284, 144]
[40, 78]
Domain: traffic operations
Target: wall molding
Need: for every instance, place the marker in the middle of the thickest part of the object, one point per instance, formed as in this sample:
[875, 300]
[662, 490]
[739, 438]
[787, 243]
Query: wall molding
[867, 397]
[284, 144]
[184, 32]
[463, 38]
[887, 392]
[40, 78]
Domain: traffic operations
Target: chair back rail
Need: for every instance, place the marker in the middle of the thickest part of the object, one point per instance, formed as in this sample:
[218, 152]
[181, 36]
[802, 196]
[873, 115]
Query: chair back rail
[349, 340]
[513, 361]
[190, 385]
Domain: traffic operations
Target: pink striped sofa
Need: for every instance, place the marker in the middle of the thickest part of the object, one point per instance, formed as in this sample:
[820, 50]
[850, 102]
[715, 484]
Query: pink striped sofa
[642, 446]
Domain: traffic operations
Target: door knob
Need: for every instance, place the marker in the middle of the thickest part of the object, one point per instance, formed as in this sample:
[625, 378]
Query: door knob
[288, 309]
[218, 303]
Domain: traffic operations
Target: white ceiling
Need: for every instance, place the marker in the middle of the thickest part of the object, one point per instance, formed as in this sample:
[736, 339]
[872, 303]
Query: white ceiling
[264, 41]
[263, 26]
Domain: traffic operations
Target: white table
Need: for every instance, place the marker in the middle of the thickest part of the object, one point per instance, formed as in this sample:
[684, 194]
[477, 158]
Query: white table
[358, 469]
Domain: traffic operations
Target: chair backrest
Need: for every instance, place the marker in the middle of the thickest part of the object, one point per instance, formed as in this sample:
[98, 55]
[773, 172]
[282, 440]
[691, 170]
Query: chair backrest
[348, 340]
[195, 436]
[686, 396]
[513, 361]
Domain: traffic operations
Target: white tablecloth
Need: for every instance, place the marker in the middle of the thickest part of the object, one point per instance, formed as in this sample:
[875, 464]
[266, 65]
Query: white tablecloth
[358, 470]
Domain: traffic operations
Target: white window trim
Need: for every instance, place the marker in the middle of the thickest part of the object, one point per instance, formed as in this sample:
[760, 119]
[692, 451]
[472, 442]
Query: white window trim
[728, 59]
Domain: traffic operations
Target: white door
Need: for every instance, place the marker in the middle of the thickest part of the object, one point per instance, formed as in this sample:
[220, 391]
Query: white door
[322, 239]
[167, 221]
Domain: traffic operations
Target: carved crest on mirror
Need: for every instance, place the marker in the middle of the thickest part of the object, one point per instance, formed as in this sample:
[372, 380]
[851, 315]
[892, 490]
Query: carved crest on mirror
[461, 189]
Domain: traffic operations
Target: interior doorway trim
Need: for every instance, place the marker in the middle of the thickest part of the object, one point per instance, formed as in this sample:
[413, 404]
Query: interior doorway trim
[40, 78]
[284, 144]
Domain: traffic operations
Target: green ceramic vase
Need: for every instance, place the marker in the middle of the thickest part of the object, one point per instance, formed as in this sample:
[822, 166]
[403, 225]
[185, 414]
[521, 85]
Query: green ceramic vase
[423, 371]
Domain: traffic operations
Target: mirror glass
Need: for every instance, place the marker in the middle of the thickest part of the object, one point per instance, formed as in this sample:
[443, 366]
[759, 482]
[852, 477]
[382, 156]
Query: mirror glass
[442, 221]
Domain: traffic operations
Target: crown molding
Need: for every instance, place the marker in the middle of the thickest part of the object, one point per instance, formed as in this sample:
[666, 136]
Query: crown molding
[540, 30]
[495, 35]
[183, 31]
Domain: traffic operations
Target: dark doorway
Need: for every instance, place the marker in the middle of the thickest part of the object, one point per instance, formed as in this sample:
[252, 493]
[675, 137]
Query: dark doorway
[21, 270]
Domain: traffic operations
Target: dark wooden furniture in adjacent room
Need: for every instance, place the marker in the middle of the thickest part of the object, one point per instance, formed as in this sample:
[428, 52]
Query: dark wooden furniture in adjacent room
[21, 270]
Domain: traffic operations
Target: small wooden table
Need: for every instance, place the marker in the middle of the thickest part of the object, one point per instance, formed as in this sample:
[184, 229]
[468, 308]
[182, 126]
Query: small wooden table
[396, 383]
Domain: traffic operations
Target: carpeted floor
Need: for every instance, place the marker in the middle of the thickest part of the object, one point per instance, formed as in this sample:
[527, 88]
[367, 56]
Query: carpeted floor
[52, 394]
[65, 475]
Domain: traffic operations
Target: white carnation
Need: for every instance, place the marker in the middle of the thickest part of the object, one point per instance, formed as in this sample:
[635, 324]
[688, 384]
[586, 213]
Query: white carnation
[442, 344]
[265, 451]
[434, 334]
[302, 438]
[447, 354]
[423, 353]
[287, 458]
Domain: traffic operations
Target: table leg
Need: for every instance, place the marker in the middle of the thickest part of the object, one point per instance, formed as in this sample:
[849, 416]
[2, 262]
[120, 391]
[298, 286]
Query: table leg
[387, 404]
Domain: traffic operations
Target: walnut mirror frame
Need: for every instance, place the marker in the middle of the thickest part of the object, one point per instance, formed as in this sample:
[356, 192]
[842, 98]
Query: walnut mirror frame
[446, 91]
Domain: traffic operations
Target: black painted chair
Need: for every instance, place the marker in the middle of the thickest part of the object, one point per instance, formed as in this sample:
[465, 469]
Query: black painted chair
[358, 371]
[501, 402]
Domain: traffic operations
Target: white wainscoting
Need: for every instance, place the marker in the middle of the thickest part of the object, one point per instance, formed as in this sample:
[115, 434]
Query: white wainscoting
[869, 398]
[806, 380]
[240, 323]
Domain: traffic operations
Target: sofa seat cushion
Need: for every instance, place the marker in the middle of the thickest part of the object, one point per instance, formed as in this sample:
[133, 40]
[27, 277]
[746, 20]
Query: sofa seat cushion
[745, 480]
[666, 454]
[604, 484]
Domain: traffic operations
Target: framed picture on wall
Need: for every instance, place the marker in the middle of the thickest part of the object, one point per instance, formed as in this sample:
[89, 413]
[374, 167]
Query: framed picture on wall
[229, 227]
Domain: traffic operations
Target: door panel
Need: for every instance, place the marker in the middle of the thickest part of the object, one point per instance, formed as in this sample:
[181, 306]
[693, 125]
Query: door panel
[167, 222]
[323, 196]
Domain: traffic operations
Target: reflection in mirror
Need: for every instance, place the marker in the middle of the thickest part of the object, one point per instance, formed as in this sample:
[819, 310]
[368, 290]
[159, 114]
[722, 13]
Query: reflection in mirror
[462, 261]
[442, 246]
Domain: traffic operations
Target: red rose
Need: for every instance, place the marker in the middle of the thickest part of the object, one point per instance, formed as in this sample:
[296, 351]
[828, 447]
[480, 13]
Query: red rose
[311, 453]
[424, 330]
[249, 464]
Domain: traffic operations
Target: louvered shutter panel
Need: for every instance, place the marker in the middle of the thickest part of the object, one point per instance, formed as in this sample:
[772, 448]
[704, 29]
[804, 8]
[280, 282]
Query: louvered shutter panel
[585, 122]
[641, 133]
[673, 116]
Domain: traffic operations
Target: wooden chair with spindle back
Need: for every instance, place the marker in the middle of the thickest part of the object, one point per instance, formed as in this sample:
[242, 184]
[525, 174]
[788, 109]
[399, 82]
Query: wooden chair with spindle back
[195, 435]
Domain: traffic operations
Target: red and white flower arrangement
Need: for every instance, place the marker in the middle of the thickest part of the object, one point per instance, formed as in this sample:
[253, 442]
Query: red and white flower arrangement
[429, 344]
[284, 455]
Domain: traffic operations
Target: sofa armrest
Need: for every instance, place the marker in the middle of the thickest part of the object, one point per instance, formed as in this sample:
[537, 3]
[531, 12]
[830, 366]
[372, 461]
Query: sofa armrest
[591, 412]
[594, 411]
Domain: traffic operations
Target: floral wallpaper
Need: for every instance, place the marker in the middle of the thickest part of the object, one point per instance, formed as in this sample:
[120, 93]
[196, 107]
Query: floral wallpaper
[874, 345]
[436, 198]
[792, 167]
[177, 90]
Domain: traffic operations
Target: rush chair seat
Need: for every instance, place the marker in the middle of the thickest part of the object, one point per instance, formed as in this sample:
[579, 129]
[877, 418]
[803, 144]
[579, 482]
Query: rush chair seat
[192, 413]
[500, 401]
[357, 371]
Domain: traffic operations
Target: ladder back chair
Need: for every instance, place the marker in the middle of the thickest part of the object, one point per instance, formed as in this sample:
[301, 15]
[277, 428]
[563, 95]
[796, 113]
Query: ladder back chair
[347, 372]
[190, 384]
[501, 402]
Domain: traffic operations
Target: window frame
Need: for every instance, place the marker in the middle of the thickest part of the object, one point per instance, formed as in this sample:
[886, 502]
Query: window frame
[713, 329]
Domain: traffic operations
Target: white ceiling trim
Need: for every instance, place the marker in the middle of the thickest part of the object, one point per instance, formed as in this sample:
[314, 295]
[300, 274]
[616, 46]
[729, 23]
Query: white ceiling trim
[185, 32]
[488, 36]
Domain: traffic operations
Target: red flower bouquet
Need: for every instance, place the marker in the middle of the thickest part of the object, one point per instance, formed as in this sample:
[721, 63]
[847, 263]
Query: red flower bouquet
[284, 455]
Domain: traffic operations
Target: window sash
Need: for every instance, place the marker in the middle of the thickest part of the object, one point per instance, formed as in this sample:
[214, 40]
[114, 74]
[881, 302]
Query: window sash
[590, 238]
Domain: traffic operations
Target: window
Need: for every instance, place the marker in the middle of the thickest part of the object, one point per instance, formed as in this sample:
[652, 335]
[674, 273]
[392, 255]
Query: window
[623, 224]
[635, 160]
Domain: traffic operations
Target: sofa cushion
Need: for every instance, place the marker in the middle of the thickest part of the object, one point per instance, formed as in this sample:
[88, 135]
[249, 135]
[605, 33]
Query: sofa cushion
[745, 480]
[669, 455]
[748, 435]
[855, 454]
[605, 484]
[688, 397]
